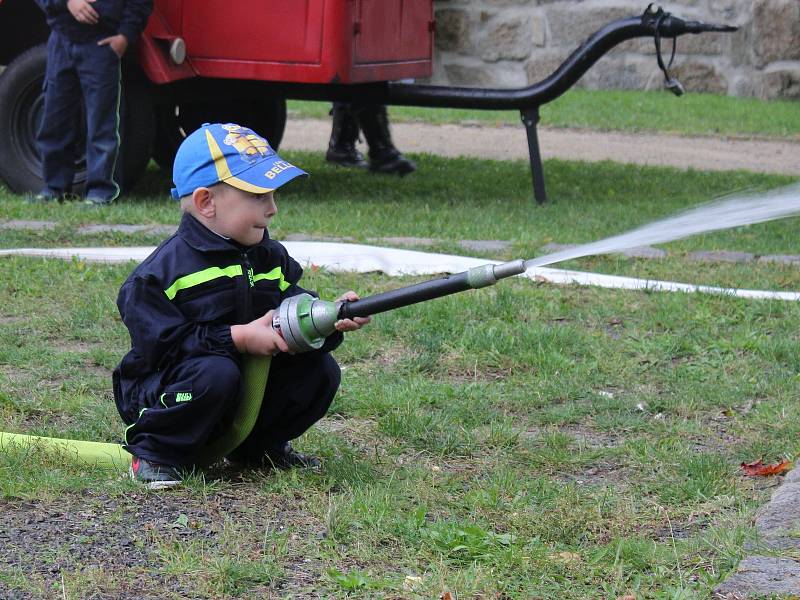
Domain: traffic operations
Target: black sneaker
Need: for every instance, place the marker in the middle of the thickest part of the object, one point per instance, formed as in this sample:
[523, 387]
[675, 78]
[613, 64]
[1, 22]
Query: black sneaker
[154, 476]
[288, 458]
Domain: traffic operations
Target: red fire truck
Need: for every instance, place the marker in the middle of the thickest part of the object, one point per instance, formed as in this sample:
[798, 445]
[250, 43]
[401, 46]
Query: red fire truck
[239, 60]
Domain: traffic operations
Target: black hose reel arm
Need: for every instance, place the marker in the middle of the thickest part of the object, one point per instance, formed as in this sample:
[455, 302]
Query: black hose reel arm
[654, 21]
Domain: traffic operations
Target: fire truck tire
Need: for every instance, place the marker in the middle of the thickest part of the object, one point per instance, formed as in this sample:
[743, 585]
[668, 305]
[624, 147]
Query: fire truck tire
[174, 122]
[21, 104]
[138, 127]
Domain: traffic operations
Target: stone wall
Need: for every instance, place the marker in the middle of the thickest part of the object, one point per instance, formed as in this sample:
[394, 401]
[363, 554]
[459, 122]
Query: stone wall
[513, 43]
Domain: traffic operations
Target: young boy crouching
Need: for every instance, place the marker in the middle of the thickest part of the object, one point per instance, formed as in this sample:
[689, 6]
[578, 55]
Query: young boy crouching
[202, 300]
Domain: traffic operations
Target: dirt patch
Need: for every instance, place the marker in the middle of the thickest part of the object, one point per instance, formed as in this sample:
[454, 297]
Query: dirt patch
[350, 428]
[77, 346]
[14, 374]
[457, 372]
[97, 371]
[723, 437]
[363, 436]
[510, 143]
[602, 474]
[582, 435]
[393, 354]
[484, 374]
[115, 539]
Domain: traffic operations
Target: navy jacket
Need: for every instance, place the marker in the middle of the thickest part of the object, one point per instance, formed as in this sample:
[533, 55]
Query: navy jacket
[182, 300]
[127, 17]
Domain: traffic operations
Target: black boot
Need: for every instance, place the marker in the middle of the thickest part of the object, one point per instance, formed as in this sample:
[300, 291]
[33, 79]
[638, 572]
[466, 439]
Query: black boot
[344, 133]
[383, 156]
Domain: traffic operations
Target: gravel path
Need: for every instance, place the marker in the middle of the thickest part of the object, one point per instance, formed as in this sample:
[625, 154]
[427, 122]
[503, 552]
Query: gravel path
[504, 143]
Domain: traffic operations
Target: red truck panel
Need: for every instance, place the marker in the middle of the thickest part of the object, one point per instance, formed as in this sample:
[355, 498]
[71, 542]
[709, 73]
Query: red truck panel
[310, 41]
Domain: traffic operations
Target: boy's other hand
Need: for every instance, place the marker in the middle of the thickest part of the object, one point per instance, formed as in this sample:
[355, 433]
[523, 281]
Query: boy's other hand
[258, 337]
[118, 43]
[350, 324]
[83, 12]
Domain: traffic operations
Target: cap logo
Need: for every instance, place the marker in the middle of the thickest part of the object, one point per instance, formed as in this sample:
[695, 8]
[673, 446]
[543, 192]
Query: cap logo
[224, 172]
[250, 146]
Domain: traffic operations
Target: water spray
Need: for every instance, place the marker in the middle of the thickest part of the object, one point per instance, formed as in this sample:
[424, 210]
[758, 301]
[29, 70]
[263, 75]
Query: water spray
[305, 321]
[726, 213]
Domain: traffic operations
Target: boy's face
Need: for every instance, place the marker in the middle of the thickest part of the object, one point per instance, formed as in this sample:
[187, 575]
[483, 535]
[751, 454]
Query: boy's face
[242, 216]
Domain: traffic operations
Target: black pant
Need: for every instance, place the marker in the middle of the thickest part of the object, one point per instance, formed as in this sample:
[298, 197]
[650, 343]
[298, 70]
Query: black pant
[196, 400]
[75, 72]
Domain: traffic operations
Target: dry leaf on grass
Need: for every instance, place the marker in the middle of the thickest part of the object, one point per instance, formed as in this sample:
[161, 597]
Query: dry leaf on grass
[411, 581]
[566, 557]
[759, 469]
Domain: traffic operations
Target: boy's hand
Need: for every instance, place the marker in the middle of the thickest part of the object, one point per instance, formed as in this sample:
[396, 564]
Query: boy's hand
[118, 43]
[258, 337]
[83, 12]
[350, 324]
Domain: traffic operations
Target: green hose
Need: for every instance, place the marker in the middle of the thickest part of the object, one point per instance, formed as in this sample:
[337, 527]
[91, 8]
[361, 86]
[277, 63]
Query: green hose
[77, 451]
[254, 373]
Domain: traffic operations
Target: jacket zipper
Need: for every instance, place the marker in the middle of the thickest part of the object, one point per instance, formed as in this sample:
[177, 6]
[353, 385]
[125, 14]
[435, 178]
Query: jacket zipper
[247, 271]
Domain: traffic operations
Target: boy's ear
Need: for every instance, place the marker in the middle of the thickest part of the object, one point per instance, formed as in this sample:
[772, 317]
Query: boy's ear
[202, 199]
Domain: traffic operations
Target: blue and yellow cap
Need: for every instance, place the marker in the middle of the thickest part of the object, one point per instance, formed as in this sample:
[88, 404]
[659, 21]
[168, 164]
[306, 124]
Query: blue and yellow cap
[231, 153]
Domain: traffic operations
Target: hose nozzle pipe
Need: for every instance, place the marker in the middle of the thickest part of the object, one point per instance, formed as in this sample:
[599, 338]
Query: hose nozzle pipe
[305, 321]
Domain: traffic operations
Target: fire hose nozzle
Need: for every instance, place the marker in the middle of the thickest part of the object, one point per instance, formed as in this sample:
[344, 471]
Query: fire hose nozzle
[509, 269]
[305, 321]
[485, 275]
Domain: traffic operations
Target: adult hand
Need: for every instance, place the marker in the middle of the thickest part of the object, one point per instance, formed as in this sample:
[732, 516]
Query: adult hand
[83, 12]
[354, 323]
[118, 43]
[258, 337]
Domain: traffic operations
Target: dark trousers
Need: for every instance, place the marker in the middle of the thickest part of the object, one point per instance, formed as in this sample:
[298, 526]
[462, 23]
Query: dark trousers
[196, 401]
[80, 72]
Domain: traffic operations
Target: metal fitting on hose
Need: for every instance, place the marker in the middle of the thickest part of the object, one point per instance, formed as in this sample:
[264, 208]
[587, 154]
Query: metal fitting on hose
[305, 321]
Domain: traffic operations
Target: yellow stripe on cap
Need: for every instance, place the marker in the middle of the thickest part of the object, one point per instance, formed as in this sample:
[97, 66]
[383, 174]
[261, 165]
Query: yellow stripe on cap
[224, 172]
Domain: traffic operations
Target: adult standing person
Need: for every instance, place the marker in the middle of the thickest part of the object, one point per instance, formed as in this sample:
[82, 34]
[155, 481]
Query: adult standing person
[87, 41]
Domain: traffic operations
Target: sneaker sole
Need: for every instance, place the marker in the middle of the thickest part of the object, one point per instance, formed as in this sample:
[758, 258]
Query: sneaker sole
[154, 485]
[161, 485]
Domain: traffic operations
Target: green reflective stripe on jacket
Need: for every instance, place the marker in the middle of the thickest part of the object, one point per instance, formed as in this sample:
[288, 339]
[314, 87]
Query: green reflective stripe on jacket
[193, 279]
[276, 273]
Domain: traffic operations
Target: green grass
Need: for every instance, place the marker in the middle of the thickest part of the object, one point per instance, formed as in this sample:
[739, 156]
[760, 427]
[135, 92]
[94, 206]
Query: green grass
[521, 441]
[623, 110]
